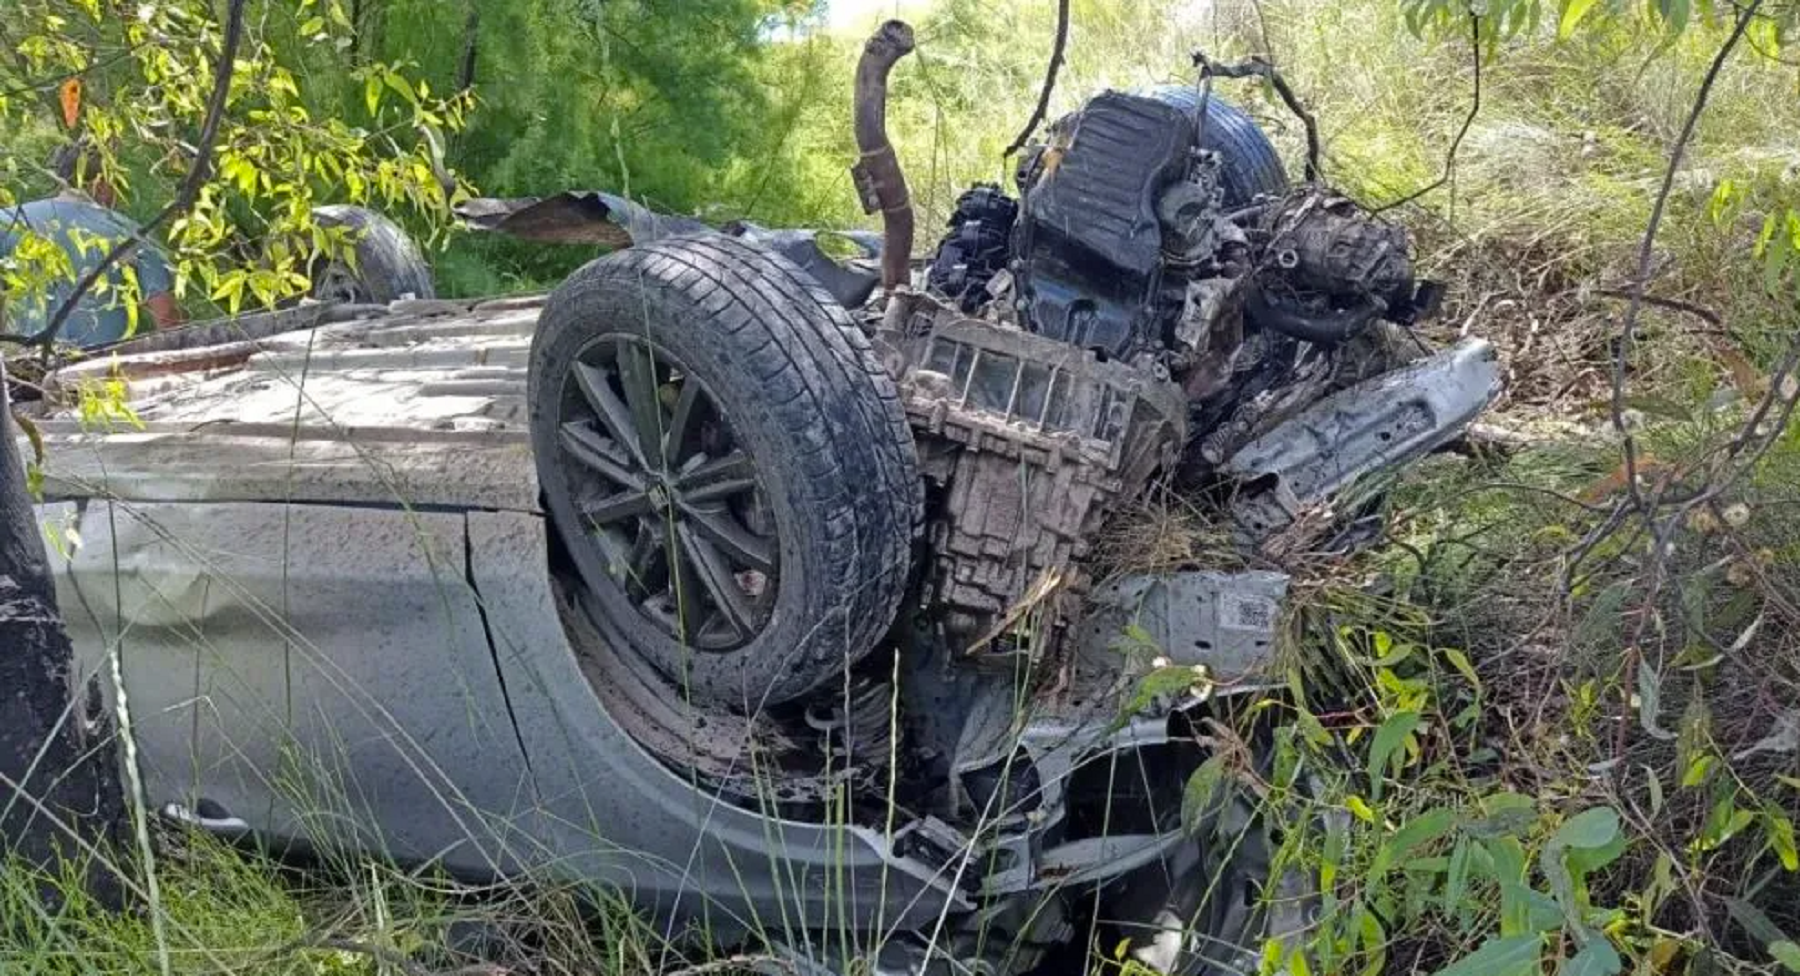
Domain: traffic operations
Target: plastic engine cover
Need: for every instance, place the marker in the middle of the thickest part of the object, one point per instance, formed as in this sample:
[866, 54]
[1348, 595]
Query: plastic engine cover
[1091, 236]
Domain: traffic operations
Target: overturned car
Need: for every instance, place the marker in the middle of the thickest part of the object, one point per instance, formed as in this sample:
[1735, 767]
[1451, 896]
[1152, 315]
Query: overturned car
[761, 584]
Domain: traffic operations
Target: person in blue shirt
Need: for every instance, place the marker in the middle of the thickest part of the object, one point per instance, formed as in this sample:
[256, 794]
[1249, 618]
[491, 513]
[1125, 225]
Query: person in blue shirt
[85, 226]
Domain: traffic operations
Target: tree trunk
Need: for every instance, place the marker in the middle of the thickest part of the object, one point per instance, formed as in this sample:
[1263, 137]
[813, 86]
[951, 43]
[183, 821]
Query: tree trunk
[465, 78]
[60, 795]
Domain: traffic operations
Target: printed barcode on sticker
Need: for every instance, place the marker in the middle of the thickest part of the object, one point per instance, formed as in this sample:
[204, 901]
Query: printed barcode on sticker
[1247, 613]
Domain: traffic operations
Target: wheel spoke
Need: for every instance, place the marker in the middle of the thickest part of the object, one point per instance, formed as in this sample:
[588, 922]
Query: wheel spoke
[648, 563]
[587, 447]
[735, 466]
[616, 508]
[613, 413]
[720, 490]
[709, 566]
[745, 549]
[678, 423]
[637, 373]
[688, 590]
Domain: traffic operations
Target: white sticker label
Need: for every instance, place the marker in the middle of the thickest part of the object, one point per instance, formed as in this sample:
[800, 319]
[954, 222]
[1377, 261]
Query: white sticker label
[1243, 612]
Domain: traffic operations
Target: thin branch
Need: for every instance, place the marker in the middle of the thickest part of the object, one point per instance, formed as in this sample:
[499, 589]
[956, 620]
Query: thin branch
[190, 187]
[1646, 249]
[1701, 312]
[1468, 120]
[51, 82]
[1261, 67]
[1056, 63]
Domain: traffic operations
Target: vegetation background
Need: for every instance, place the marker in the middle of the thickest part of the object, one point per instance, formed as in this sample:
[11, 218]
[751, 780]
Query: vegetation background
[1555, 727]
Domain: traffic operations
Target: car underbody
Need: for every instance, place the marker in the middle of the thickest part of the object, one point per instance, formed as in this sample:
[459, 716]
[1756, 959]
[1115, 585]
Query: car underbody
[325, 559]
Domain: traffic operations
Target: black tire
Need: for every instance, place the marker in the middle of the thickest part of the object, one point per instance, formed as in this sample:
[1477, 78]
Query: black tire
[389, 266]
[797, 387]
[1251, 166]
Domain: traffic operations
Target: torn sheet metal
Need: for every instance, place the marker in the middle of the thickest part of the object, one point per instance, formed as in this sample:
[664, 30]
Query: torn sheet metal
[594, 217]
[575, 217]
[1378, 424]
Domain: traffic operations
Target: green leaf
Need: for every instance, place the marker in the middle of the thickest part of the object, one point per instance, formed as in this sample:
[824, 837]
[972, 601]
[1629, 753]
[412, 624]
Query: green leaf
[1456, 878]
[1775, 261]
[1755, 921]
[1699, 769]
[1572, 12]
[1499, 956]
[1786, 953]
[1674, 14]
[1374, 942]
[1591, 828]
[1160, 683]
[402, 88]
[1418, 832]
[1312, 728]
[1388, 739]
[1781, 837]
[1589, 860]
[1460, 662]
[1597, 958]
[372, 93]
[1202, 788]
[1331, 853]
[1505, 814]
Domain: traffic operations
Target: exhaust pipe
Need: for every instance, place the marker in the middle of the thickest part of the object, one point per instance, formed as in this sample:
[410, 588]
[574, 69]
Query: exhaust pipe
[877, 175]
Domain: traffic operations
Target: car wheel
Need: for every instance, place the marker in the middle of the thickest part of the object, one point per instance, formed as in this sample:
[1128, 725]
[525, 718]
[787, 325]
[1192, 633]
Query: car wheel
[1249, 164]
[388, 267]
[727, 464]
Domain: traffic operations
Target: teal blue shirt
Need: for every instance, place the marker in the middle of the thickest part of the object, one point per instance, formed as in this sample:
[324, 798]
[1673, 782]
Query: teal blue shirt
[86, 232]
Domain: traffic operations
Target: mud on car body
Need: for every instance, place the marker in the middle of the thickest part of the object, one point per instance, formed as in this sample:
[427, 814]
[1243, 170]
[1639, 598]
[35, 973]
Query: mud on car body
[758, 580]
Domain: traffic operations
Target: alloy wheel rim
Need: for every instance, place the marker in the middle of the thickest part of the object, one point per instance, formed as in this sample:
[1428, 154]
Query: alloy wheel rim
[668, 498]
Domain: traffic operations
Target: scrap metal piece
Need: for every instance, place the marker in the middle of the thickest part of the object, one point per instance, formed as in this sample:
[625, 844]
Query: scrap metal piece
[575, 217]
[850, 281]
[594, 217]
[1224, 621]
[1378, 424]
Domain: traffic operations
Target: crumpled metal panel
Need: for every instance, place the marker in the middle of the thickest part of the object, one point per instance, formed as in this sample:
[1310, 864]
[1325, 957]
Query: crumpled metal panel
[594, 217]
[1224, 621]
[574, 217]
[1380, 423]
[319, 672]
[420, 403]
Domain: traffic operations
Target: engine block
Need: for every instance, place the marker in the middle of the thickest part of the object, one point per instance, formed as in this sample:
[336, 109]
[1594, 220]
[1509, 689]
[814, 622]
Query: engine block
[1026, 442]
